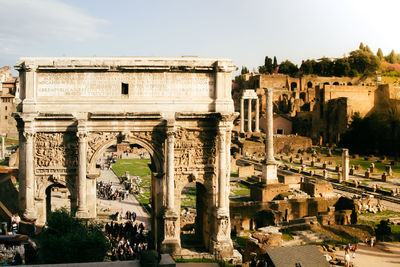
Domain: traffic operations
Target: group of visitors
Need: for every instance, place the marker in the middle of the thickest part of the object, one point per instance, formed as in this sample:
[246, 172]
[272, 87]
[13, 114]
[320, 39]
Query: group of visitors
[127, 240]
[350, 249]
[107, 191]
[12, 255]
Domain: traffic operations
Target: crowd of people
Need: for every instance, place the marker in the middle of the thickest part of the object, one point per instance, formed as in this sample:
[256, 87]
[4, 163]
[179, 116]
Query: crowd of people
[127, 240]
[109, 192]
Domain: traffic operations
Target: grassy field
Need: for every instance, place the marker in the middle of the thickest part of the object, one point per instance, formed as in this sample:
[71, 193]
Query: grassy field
[373, 219]
[136, 167]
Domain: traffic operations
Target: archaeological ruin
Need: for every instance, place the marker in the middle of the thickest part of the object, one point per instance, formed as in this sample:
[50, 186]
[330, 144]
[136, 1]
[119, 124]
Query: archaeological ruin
[179, 109]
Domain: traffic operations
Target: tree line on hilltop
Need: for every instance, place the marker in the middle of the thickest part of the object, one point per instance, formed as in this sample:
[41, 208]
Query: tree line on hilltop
[360, 62]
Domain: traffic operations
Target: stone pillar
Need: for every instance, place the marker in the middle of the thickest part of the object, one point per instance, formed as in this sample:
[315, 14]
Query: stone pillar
[257, 115]
[249, 116]
[345, 164]
[269, 175]
[170, 170]
[242, 115]
[82, 211]
[222, 167]
[170, 243]
[29, 212]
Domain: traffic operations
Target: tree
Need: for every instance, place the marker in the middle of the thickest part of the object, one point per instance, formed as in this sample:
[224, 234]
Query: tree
[361, 47]
[262, 69]
[244, 70]
[268, 64]
[307, 67]
[391, 58]
[341, 67]
[364, 62]
[68, 239]
[367, 49]
[379, 54]
[287, 67]
[275, 64]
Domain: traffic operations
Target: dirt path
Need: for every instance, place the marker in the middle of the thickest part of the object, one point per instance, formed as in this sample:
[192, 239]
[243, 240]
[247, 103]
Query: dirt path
[381, 255]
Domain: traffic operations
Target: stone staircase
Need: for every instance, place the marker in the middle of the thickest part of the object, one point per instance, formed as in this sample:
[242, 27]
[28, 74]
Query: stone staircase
[306, 236]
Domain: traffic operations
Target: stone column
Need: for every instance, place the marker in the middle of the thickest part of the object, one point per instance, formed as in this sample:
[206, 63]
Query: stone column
[269, 175]
[257, 115]
[29, 212]
[222, 167]
[170, 243]
[3, 146]
[345, 164]
[82, 211]
[249, 116]
[170, 170]
[242, 115]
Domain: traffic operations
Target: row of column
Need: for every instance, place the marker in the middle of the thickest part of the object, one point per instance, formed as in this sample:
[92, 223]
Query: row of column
[249, 115]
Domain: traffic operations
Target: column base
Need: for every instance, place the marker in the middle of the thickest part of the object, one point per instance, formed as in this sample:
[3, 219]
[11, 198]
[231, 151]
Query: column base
[221, 245]
[30, 214]
[171, 243]
[269, 173]
[83, 214]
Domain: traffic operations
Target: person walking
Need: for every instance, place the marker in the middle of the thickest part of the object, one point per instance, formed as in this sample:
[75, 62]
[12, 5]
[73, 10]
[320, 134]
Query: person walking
[347, 257]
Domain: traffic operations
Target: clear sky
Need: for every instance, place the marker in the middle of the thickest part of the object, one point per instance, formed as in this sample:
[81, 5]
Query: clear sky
[245, 31]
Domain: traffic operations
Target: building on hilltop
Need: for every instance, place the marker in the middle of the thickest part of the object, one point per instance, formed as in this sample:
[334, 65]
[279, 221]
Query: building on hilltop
[9, 87]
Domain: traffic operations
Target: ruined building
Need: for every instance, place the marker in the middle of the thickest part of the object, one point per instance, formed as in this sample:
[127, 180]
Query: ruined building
[9, 87]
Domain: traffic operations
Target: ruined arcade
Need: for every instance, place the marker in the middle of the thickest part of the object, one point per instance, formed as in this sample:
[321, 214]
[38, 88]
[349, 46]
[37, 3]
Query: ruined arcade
[179, 109]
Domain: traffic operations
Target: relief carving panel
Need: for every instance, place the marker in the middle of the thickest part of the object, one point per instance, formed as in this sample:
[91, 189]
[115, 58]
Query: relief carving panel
[55, 153]
[194, 151]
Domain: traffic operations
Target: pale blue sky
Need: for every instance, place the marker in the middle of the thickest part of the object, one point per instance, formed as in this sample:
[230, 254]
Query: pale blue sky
[245, 31]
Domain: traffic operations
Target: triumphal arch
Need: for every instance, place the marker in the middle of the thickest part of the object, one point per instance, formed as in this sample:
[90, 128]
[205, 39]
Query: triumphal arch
[179, 109]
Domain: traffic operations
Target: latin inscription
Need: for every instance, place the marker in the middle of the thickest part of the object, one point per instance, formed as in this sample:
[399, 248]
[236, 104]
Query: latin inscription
[141, 85]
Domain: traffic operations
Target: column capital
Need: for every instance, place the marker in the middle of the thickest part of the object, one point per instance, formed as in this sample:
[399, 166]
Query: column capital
[82, 135]
[29, 135]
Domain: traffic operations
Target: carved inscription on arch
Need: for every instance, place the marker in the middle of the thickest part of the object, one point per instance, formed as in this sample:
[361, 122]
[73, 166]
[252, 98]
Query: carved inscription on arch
[55, 153]
[194, 151]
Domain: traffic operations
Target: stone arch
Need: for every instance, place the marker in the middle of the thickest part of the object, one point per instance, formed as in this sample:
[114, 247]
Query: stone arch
[309, 84]
[155, 154]
[349, 83]
[336, 83]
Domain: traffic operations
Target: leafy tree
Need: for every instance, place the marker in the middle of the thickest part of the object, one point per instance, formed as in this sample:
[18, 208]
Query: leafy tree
[244, 70]
[68, 239]
[307, 67]
[287, 67]
[341, 67]
[367, 49]
[361, 47]
[324, 67]
[364, 62]
[379, 53]
[391, 58]
[262, 69]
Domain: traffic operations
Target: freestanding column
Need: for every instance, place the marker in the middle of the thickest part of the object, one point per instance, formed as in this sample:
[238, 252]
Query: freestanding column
[249, 115]
[222, 167]
[269, 175]
[3, 145]
[257, 115]
[82, 211]
[242, 115]
[345, 164]
[170, 170]
[30, 212]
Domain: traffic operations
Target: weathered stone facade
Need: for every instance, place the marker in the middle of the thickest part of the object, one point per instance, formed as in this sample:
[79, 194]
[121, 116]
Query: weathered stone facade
[179, 109]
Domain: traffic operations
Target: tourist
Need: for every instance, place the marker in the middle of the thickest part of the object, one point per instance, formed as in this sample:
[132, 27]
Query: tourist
[347, 257]
[354, 249]
[14, 228]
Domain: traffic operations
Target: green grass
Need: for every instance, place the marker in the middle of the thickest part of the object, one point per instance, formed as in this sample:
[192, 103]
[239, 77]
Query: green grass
[287, 236]
[240, 190]
[380, 166]
[136, 167]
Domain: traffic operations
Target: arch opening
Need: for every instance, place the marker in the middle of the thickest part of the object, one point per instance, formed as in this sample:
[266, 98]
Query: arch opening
[194, 219]
[58, 196]
[293, 86]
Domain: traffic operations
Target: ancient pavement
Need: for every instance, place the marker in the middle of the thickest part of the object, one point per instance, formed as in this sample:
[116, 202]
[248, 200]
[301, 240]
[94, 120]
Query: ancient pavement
[130, 203]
